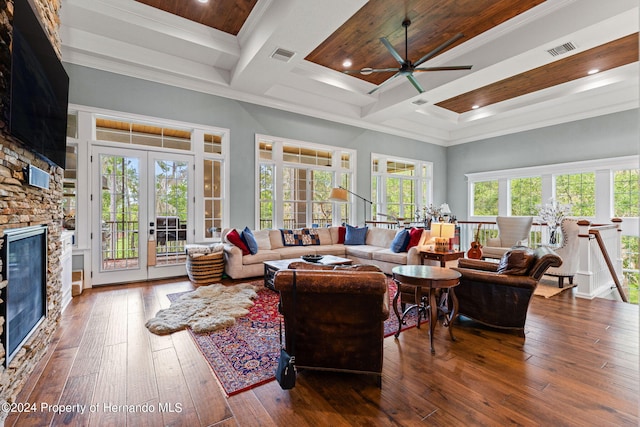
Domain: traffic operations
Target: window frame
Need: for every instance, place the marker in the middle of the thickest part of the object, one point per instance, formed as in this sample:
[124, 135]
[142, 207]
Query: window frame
[603, 169]
[423, 183]
[277, 162]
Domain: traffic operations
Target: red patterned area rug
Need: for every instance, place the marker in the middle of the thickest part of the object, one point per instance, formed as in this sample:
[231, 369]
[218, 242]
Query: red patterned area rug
[245, 355]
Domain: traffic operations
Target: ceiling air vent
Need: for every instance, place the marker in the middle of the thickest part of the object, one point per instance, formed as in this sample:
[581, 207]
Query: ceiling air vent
[562, 49]
[282, 54]
[419, 101]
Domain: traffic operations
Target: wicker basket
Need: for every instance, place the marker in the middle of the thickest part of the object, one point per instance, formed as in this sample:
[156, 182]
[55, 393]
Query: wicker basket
[205, 269]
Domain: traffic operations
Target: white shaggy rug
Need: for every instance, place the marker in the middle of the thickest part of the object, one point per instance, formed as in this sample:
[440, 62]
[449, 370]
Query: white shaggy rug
[206, 309]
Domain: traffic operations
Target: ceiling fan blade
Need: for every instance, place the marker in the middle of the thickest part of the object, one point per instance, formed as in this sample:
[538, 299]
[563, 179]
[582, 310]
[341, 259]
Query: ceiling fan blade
[415, 83]
[437, 50]
[367, 71]
[394, 52]
[445, 68]
[383, 83]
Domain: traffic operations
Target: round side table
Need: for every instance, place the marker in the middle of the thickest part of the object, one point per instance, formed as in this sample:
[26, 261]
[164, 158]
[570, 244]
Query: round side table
[430, 278]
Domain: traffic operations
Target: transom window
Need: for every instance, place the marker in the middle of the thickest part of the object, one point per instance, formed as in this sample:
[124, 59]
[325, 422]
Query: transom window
[134, 132]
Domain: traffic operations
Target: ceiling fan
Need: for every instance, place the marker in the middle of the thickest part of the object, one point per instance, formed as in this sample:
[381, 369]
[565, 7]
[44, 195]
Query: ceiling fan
[407, 68]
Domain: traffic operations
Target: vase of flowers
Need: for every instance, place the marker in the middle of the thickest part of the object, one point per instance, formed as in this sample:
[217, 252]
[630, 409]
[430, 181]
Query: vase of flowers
[552, 214]
[428, 214]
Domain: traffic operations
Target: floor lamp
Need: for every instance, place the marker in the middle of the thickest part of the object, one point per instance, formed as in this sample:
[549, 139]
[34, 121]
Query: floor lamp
[339, 195]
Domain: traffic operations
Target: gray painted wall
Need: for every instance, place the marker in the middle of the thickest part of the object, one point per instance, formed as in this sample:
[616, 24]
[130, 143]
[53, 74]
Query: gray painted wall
[601, 137]
[91, 87]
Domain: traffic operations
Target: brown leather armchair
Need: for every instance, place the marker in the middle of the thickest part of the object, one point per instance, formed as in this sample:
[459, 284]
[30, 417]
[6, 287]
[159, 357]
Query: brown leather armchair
[501, 299]
[338, 320]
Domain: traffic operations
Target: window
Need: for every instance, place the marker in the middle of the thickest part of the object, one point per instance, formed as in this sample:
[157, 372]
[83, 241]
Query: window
[578, 191]
[212, 194]
[400, 186]
[526, 196]
[626, 188]
[141, 133]
[485, 198]
[294, 182]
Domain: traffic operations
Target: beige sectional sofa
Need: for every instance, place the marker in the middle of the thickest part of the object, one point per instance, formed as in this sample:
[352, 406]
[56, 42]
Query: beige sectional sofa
[376, 250]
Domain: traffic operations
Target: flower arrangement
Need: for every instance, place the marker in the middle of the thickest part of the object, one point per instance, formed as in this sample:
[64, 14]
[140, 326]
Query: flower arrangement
[553, 213]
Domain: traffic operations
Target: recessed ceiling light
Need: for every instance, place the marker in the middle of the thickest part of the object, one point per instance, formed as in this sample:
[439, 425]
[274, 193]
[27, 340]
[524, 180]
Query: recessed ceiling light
[475, 107]
[595, 70]
[347, 63]
[203, 1]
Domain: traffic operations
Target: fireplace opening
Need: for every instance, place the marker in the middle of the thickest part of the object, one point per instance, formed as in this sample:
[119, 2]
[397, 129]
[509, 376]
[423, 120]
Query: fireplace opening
[24, 299]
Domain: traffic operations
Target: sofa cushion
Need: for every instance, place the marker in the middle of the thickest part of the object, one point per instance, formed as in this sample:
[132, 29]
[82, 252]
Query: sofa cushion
[387, 255]
[296, 251]
[516, 262]
[260, 257]
[262, 238]
[275, 238]
[355, 235]
[325, 236]
[361, 251]
[401, 241]
[249, 240]
[234, 238]
[338, 250]
[380, 237]
[300, 237]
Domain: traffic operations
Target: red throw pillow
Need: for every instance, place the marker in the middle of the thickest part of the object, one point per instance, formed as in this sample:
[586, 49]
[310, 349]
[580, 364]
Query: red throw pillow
[342, 231]
[414, 237]
[236, 240]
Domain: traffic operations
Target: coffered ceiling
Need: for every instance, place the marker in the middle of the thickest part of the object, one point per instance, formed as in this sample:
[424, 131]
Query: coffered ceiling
[530, 59]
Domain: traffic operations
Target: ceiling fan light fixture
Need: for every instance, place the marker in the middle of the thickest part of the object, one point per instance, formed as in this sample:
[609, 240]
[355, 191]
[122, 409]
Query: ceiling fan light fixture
[407, 67]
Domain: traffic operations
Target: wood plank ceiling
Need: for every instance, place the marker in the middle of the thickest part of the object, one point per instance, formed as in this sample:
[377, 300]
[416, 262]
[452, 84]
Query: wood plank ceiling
[432, 23]
[602, 58]
[223, 15]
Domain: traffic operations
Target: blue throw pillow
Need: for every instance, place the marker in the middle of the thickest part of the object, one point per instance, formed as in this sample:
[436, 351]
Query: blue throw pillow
[250, 240]
[401, 241]
[355, 235]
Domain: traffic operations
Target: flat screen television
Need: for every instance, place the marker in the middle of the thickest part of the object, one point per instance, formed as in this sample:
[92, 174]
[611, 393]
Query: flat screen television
[39, 88]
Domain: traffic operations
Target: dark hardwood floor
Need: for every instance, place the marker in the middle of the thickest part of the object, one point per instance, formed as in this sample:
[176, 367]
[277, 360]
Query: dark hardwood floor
[577, 366]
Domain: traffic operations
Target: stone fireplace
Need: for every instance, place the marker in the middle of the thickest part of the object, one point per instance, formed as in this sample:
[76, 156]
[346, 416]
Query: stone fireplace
[22, 205]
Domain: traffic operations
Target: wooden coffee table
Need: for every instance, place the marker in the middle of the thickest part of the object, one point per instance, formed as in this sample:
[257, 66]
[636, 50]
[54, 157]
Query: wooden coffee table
[271, 267]
[431, 278]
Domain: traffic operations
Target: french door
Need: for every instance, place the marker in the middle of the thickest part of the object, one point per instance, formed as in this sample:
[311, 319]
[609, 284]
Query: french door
[142, 209]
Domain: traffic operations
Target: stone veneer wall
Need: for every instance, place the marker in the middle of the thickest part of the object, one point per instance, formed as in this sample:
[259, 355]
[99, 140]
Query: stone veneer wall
[22, 205]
